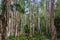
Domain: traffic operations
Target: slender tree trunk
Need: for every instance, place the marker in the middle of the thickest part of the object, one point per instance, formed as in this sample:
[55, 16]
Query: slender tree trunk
[38, 19]
[4, 24]
[22, 25]
[30, 21]
[0, 22]
[17, 20]
[47, 16]
[32, 18]
[3, 29]
[53, 33]
[0, 29]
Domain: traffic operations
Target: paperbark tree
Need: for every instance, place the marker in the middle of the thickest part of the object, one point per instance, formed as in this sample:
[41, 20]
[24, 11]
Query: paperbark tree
[5, 12]
[48, 15]
[31, 19]
[38, 18]
[53, 32]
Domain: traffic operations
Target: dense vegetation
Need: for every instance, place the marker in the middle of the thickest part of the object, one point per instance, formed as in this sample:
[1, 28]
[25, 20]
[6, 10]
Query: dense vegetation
[30, 20]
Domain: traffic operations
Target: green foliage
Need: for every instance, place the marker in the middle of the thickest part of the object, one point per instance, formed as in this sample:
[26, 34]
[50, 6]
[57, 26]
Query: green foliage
[42, 21]
[1, 16]
[25, 38]
[57, 22]
[18, 8]
[3, 6]
[17, 38]
[3, 9]
[26, 29]
[57, 10]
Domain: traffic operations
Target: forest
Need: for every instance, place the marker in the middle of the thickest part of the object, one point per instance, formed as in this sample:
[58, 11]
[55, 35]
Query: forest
[29, 20]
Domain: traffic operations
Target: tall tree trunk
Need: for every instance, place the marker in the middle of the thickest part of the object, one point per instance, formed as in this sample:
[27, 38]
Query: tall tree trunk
[5, 18]
[38, 19]
[47, 16]
[0, 29]
[32, 16]
[22, 24]
[0, 21]
[30, 20]
[17, 21]
[53, 33]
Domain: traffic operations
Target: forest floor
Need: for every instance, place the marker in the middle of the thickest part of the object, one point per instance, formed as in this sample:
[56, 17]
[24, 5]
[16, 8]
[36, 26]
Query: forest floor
[27, 38]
